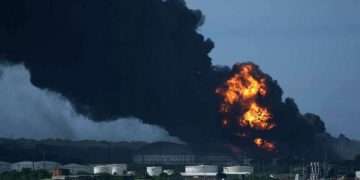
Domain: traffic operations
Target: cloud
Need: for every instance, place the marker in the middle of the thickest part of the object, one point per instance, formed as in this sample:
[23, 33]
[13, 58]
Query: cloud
[29, 112]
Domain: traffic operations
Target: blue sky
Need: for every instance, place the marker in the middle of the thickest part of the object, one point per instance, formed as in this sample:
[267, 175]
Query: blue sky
[312, 47]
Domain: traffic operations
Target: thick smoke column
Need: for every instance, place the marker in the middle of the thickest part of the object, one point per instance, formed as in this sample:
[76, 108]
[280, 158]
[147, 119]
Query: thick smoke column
[116, 58]
[139, 58]
[29, 112]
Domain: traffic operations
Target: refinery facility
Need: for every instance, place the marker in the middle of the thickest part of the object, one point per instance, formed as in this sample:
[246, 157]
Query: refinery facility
[78, 172]
[172, 161]
[192, 171]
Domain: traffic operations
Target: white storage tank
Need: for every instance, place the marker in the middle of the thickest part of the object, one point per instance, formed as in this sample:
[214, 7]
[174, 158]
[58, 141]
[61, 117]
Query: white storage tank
[169, 172]
[154, 170]
[118, 169]
[200, 170]
[102, 169]
[357, 175]
[130, 173]
[238, 170]
[4, 166]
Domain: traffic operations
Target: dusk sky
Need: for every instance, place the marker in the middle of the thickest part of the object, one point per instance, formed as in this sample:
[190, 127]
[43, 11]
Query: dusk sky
[311, 47]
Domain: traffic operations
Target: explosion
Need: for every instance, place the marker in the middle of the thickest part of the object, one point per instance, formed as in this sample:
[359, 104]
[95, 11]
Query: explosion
[240, 96]
[241, 87]
[257, 117]
[261, 143]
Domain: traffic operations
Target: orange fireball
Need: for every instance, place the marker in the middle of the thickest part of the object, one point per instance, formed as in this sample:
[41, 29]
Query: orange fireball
[263, 144]
[257, 117]
[242, 86]
[240, 95]
[241, 91]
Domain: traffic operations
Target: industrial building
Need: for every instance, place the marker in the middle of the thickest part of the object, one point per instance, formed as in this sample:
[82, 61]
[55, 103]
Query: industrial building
[357, 175]
[19, 166]
[4, 166]
[164, 153]
[218, 159]
[46, 165]
[77, 168]
[38, 165]
[74, 177]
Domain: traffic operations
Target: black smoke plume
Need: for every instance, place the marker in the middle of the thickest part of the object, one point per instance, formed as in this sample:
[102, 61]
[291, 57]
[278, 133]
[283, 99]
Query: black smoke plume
[141, 58]
[116, 58]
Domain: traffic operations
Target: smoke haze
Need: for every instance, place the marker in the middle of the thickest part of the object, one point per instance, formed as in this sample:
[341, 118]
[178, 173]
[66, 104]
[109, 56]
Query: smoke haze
[29, 112]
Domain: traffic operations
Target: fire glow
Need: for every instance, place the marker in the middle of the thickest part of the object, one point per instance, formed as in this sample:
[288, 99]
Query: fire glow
[241, 91]
[261, 143]
[257, 117]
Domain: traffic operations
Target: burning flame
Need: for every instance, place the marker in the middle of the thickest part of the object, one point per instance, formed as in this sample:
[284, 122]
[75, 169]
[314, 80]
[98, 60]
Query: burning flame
[263, 144]
[257, 117]
[243, 88]
[241, 92]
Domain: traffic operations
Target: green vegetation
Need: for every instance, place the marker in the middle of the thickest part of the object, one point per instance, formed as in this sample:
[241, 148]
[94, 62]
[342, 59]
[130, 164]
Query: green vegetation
[109, 177]
[164, 176]
[26, 174]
